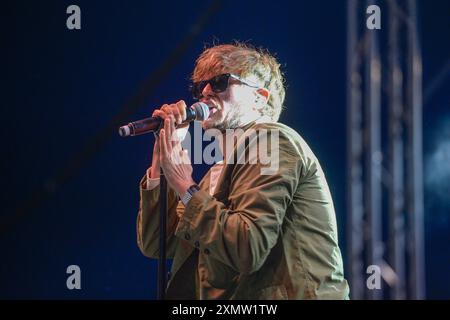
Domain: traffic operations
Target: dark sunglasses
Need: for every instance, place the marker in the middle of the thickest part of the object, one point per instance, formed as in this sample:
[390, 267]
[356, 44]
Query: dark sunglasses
[218, 84]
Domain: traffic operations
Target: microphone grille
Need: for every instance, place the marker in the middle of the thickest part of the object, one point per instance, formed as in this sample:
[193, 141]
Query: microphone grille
[201, 111]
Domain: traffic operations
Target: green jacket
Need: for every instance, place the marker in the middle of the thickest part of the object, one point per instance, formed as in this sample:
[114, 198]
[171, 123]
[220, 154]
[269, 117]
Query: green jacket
[258, 237]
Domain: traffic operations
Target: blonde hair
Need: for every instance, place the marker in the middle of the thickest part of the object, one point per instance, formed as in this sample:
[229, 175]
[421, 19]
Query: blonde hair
[244, 60]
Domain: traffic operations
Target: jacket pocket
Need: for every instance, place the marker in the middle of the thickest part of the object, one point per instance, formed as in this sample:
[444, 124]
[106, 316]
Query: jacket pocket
[273, 293]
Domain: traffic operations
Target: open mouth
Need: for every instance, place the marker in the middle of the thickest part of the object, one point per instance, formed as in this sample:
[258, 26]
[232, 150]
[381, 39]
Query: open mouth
[213, 107]
[212, 110]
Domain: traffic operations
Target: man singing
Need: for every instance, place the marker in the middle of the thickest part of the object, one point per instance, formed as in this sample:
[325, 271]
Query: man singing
[242, 233]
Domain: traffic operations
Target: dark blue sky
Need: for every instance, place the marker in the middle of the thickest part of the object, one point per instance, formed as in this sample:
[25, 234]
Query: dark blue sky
[63, 87]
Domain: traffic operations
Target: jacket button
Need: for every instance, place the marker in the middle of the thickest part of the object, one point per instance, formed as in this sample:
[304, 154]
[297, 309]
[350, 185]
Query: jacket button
[169, 275]
[187, 236]
[206, 251]
[197, 244]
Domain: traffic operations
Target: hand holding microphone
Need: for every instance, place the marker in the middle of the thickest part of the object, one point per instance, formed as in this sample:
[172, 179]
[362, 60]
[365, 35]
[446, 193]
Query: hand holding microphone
[178, 110]
[167, 151]
[199, 111]
[181, 114]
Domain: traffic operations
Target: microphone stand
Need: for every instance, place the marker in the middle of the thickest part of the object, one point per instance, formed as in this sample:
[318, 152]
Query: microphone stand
[162, 273]
[162, 262]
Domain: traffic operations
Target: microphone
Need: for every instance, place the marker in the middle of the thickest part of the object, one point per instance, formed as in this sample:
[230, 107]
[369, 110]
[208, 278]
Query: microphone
[199, 111]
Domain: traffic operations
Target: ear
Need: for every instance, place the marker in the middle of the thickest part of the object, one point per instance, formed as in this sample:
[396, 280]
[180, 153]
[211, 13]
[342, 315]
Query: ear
[264, 93]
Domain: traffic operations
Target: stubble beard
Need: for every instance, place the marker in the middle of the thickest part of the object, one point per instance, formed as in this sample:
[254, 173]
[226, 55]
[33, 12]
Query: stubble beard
[231, 121]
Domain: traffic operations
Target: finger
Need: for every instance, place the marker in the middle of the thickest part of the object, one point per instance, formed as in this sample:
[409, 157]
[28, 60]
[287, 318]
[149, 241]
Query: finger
[173, 132]
[164, 108]
[159, 113]
[181, 107]
[168, 143]
[156, 145]
[163, 148]
[169, 129]
[176, 113]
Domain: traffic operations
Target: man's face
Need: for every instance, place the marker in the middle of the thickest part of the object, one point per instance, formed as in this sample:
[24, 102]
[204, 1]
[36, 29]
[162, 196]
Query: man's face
[230, 109]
